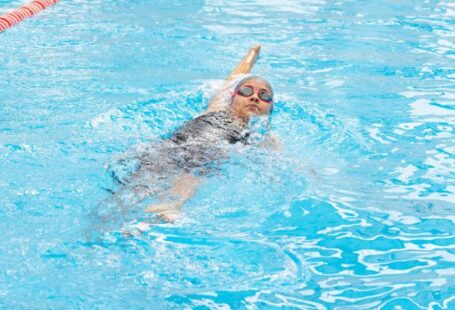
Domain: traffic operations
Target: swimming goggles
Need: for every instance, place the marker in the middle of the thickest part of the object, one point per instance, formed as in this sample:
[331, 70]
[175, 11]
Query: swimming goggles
[247, 91]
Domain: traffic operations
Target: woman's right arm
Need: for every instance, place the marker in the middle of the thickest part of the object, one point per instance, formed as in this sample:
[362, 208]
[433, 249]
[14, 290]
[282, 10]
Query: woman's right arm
[183, 188]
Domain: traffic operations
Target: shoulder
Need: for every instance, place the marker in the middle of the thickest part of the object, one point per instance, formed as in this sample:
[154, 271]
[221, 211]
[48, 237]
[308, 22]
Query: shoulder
[203, 120]
[219, 115]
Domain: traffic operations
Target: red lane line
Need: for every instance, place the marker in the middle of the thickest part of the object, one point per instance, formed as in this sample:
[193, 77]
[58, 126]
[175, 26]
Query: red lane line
[3, 25]
[16, 16]
[12, 19]
[30, 12]
[5, 20]
[42, 5]
[33, 7]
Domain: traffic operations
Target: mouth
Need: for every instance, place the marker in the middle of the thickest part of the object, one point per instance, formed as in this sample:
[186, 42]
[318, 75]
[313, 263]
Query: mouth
[252, 107]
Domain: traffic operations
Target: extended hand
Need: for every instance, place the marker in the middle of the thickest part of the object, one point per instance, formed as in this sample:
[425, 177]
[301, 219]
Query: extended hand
[168, 211]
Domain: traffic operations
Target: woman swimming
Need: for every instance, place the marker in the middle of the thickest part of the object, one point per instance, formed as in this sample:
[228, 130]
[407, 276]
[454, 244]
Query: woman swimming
[198, 146]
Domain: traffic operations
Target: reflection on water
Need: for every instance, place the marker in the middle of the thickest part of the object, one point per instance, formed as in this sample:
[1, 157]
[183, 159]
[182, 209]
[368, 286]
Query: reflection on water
[356, 212]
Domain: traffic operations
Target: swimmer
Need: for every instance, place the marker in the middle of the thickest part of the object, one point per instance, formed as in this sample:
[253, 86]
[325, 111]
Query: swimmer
[194, 148]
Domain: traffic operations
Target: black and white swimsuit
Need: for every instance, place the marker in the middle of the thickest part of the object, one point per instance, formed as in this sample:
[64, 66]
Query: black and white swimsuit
[197, 147]
[213, 127]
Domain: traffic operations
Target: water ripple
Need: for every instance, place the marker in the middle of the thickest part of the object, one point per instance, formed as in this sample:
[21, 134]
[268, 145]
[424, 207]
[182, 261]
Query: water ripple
[356, 212]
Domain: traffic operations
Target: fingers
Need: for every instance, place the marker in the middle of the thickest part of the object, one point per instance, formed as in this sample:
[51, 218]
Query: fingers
[158, 208]
[256, 48]
[169, 217]
[136, 229]
[168, 206]
[253, 55]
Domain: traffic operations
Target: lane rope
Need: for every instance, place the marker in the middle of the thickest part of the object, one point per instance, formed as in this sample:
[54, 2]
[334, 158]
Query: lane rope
[30, 9]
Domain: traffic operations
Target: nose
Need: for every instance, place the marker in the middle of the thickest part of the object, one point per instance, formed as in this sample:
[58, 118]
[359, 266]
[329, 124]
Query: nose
[254, 98]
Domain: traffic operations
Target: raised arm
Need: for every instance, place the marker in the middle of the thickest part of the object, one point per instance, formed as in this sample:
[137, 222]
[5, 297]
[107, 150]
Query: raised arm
[243, 67]
[247, 62]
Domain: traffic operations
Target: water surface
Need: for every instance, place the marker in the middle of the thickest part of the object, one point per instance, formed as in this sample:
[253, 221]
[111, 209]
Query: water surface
[356, 212]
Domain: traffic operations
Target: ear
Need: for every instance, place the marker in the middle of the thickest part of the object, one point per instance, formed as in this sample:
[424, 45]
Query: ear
[233, 96]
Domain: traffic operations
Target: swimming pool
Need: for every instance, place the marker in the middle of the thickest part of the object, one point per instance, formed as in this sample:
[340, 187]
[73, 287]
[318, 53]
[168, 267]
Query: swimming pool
[365, 102]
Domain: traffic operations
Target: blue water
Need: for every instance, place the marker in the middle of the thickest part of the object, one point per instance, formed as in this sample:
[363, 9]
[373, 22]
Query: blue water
[355, 213]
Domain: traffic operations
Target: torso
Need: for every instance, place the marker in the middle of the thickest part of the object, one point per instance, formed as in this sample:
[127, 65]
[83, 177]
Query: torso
[212, 128]
[197, 146]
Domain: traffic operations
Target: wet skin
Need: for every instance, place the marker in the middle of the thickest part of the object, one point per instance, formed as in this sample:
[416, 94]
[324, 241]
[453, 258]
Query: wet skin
[245, 107]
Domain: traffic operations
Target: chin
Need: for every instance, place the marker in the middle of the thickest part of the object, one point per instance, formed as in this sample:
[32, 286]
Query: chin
[251, 114]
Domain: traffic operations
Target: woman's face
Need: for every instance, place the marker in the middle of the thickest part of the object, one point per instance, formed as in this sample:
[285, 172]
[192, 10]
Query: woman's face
[247, 106]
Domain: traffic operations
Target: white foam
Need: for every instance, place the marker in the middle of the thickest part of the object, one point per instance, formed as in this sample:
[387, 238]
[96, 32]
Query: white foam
[423, 107]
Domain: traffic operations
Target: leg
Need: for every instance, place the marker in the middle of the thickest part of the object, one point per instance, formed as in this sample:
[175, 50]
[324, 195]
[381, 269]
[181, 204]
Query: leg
[122, 205]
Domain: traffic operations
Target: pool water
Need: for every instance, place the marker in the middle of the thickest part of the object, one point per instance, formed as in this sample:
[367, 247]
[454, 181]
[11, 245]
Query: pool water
[356, 212]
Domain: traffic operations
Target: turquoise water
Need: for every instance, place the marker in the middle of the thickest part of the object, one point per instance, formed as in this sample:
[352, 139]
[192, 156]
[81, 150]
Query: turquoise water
[355, 213]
